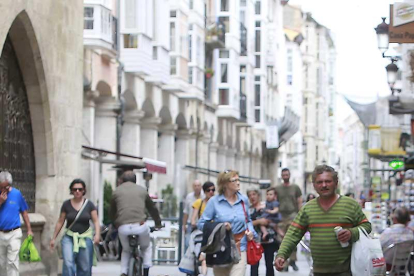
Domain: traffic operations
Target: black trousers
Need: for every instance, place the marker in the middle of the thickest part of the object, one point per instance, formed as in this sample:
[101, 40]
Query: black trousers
[269, 252]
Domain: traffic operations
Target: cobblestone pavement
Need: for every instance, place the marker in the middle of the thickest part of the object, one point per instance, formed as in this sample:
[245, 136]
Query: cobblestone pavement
[112, 269]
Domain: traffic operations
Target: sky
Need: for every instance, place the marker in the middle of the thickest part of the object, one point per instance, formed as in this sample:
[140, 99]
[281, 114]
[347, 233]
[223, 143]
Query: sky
[361, 74]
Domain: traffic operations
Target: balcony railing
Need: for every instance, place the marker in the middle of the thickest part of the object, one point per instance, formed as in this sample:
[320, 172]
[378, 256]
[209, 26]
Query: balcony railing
[215, 34]
[243, 107]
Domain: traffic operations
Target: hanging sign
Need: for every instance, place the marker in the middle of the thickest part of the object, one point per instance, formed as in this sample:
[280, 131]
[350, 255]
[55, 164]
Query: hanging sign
[272, 137]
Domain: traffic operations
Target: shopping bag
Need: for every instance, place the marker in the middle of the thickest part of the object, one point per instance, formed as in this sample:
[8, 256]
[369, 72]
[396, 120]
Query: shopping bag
[28, 251]
[367, 258]
[187, 262]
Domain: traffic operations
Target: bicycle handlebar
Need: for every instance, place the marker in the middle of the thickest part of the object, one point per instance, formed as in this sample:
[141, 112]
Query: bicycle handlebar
[153, 228]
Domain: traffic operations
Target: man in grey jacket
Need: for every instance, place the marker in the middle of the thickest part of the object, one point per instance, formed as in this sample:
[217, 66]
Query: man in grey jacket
[128, 205]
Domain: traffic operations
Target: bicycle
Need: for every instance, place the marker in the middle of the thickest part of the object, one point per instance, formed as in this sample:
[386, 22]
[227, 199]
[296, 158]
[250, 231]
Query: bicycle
[135, 264]
[108, 247]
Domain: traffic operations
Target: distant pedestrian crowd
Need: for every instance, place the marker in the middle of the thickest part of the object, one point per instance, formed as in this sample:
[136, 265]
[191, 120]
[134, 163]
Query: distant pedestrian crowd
[220, 225]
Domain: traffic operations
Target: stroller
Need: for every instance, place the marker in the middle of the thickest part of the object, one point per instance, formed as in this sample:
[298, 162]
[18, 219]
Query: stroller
[305, 243]
[189, 264]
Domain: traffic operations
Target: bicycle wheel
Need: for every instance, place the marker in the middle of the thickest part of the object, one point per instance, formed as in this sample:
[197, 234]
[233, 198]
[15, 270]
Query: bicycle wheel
[135, 267]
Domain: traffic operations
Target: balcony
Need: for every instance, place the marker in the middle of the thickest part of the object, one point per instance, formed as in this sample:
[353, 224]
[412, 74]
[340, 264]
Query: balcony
[100, 29]
[137, 54]
[215, 34]
[228, 105]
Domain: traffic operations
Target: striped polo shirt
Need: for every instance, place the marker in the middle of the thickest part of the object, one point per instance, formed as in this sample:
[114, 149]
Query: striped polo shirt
[327, 254]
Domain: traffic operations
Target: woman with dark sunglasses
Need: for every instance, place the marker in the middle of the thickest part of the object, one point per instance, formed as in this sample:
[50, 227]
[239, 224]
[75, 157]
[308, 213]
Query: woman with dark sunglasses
[77, 242]
[200, 204]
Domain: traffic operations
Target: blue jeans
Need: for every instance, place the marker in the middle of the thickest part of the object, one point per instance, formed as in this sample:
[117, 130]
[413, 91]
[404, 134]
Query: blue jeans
[79, 264]
[187, 236]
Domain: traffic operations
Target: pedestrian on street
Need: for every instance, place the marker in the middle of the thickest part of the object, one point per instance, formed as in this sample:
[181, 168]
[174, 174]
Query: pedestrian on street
[200, 204]
[198, 209]
[128, 205]
[77, 242]
[397, 232]
[290, 202]
[188, 210]
[320, 216]
[12, 204]
[227, 207]
[270, 246]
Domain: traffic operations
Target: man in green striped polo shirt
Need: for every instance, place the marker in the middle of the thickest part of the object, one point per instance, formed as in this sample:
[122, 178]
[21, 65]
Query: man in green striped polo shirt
[320, 216]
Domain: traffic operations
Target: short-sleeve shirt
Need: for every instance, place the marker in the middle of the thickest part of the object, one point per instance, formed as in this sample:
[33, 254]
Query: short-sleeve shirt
[82, 224]
[288, 199]
[10, 210]
[199, 203]
[189, 200]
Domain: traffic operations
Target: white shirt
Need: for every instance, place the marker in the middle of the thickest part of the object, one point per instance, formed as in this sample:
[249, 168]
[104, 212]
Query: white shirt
[188, 204]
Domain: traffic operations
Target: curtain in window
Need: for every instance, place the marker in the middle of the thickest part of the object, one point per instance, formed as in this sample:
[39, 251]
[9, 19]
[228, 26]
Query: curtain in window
[224, 5]
[224, 73]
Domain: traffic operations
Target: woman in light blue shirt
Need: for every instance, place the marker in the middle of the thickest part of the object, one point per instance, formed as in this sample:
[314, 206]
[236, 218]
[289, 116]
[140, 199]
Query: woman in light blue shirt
[227, 207]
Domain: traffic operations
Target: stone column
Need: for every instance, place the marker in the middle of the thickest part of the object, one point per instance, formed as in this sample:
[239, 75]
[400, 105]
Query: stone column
[88, 139]
[149, 147]
[166, 153]
[213, 161]
[182, 156]
[221, 158]
[230, 159]
[239, 163]
[105, 138]
[131, 133]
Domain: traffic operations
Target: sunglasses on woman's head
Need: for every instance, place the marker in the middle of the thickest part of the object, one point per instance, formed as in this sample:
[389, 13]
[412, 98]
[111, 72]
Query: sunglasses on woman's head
[77, 189]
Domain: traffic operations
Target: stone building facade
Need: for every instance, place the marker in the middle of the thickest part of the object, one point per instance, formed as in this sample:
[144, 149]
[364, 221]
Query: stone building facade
[41, 89]
[199, 84]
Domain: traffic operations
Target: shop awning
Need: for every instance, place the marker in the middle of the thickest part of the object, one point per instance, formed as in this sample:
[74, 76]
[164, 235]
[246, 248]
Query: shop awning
[99, 155]
[155, 166]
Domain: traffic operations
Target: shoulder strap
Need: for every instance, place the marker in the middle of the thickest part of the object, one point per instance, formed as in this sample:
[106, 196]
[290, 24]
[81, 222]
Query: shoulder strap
[79, 213]
[245, 215]
[199, 209]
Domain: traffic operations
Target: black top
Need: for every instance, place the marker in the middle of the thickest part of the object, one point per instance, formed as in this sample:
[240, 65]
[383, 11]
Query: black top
[256, 214]
[82, 224]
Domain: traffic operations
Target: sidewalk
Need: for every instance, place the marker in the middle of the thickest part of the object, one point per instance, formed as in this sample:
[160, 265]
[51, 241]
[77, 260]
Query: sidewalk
[112, 269]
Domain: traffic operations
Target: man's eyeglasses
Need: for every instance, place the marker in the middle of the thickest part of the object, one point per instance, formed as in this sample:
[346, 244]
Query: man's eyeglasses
[210, 190]
[5, 188]
[77, 189]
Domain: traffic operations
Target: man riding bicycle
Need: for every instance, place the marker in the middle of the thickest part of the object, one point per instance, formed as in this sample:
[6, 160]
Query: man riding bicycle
[127, 212]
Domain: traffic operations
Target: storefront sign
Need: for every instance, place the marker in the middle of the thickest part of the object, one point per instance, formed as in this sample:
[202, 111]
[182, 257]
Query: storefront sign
[403, 13]
[402, 31]
[396, 164]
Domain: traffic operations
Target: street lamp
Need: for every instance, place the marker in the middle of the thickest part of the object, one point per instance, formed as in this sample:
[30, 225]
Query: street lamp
[392, 70]
[382, 36]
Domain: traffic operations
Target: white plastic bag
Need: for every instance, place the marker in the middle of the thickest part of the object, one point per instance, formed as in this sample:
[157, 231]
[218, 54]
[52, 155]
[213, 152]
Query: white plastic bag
[187, 262]
[367, 258]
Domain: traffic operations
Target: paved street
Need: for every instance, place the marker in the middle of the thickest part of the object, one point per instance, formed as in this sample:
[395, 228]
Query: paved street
[112, 269]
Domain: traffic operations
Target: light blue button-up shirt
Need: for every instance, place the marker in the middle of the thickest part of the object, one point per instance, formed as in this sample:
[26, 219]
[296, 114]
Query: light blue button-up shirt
[219, 209]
